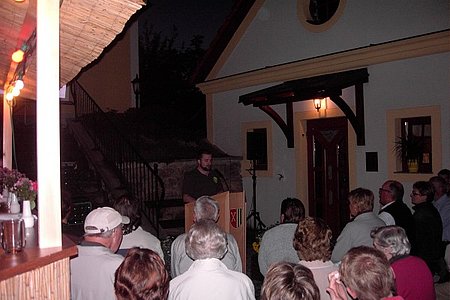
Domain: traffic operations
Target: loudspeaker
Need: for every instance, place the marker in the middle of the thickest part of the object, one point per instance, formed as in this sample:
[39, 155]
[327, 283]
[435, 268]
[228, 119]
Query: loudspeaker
[257, 145]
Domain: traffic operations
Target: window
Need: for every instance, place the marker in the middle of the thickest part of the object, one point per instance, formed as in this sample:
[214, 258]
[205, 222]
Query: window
[414, 146]
[420, 126]
[319, 15]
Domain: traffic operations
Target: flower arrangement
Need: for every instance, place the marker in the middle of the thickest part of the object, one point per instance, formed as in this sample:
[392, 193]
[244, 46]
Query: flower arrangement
[15, 182]
[8, 178]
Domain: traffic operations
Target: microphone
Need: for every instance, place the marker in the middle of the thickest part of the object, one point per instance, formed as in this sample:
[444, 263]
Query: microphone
[222, 177]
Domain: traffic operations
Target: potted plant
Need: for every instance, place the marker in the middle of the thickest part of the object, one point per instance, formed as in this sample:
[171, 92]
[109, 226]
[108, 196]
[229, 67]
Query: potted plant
[409, 150]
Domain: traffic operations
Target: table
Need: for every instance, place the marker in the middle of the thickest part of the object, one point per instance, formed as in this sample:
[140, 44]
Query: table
[37, 273]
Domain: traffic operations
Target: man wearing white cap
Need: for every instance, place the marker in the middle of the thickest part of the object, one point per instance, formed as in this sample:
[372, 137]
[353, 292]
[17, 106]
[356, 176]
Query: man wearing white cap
[92, 272]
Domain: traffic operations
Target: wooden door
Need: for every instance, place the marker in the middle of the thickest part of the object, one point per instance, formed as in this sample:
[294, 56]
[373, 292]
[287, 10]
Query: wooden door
[328, 171]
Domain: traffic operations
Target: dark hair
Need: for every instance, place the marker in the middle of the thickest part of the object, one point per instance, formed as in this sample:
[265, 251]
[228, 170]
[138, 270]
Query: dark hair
[203, 151]
[396, 189]
[128, 207]
[141, 276]
[425, 188]
[440, 182]
[444, 172]
[293, 210]
[289, 281]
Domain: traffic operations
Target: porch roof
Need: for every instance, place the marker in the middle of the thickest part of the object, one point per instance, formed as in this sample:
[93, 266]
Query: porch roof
[329, 85]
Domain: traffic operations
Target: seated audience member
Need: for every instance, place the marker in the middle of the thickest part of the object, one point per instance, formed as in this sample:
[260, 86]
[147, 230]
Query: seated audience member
[133, 234]
[442, 203]
[427, 243]
[208, 277]
[289, 281]
[393, 242]
[205, 208]
[312, 240]
[92, 271]
[365, 274]
[445, 173]
[357, 232]
[393, 210]
[276, 244]
[142, 275]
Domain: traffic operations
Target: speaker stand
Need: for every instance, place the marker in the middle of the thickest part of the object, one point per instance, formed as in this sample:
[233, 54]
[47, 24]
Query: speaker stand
[257, 223]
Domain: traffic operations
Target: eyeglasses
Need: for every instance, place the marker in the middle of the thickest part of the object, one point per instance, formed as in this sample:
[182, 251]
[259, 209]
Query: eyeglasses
[416, 194]
[380, 190]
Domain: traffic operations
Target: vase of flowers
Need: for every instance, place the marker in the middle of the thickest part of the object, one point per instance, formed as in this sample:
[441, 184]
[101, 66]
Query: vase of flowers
[17, 183]
[26, 189]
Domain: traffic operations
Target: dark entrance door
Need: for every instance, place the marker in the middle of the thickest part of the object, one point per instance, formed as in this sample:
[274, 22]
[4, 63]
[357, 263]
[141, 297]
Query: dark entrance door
[328, 171]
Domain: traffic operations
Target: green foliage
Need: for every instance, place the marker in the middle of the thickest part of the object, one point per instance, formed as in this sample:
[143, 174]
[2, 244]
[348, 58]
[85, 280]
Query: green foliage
[409, 147]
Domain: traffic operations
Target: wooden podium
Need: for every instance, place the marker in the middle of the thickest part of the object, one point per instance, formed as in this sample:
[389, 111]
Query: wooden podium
[232, 219]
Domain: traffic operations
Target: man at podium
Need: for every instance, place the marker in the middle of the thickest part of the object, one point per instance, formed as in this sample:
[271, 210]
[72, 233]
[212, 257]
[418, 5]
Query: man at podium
[205, 208]
[201, 181]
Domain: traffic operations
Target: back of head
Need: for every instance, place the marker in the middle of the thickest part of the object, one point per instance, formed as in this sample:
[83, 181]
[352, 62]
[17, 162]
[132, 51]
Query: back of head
[126, 206]
[362, 199]
[142, 275]
[366, 271]
[439, 184]
[206, 239]
[396, 189]
[425, 188]
[206, 208]
[292, 210]
[392, 238]
[312, 239]
[289, 281]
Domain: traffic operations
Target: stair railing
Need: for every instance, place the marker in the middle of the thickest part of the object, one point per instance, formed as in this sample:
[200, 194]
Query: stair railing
[141, 180]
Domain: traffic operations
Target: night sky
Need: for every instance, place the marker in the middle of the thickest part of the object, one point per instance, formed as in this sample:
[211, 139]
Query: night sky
[191, 17]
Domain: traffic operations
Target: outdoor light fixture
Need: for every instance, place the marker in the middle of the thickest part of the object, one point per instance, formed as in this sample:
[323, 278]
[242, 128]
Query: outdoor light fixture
[17, 56]
[320, 103]
[317, 104]
[136, 89]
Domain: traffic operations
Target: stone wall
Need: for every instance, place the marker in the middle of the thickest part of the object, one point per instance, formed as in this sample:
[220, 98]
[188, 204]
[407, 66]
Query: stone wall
[172, 174]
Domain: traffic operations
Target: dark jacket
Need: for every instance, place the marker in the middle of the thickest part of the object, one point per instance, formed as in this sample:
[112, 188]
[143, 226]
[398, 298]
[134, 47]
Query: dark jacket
[403, 217]
[428, 235]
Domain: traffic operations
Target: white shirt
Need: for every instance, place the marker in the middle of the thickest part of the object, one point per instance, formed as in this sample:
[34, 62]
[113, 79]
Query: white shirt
[211, 279]
[180, 262]
[143, 239]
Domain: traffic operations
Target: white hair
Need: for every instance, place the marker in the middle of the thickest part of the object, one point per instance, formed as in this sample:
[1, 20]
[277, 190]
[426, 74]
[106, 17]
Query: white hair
[206, 240]
[206, 208]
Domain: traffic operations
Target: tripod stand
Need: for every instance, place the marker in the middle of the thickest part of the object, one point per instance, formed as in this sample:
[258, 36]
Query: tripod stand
[257, 223]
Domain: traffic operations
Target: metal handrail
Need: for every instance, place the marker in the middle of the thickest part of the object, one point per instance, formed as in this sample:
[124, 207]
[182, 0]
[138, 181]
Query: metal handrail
[140, 179]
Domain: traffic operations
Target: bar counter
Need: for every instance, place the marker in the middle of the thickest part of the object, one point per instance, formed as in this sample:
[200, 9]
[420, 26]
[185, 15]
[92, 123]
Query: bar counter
[36, 273]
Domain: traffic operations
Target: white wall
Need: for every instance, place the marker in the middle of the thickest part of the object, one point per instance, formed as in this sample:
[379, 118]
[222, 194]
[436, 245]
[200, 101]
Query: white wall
[277, 37]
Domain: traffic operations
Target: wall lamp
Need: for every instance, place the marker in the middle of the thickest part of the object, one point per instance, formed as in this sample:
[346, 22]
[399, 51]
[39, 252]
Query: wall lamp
[320, 103]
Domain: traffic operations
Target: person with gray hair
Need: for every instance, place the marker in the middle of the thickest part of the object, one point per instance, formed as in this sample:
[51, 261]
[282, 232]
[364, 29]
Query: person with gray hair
[208, 277]
[393, 242]
[92, 271]
[205, 208]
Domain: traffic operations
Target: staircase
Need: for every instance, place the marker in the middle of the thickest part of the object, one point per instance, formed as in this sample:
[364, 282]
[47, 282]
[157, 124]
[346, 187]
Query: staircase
[114, 158]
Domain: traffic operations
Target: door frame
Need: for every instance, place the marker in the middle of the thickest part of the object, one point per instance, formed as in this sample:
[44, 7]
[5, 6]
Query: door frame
[301, 151]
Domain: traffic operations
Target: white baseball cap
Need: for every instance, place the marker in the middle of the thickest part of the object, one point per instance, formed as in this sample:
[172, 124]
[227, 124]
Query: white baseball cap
[103, 219]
